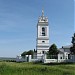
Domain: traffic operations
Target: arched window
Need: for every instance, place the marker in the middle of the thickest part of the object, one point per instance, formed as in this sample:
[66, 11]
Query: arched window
[43, 31]
[43, 28]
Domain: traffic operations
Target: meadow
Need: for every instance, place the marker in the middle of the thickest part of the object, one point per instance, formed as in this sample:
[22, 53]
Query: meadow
[13, 68]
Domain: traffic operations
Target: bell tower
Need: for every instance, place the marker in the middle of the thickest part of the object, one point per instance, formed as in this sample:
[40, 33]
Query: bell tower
[42, 41]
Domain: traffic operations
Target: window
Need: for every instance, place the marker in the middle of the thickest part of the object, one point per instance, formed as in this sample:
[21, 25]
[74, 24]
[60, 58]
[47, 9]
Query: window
[43, 52]
[60, 57]
[43, 41]
[43, 31]
[69, 56]
[43, 34]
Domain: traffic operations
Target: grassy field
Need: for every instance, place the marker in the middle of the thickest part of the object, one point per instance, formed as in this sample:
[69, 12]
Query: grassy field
[13, 68]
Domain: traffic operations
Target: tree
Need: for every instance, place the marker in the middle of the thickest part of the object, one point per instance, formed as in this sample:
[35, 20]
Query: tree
[53, 50]
[72, 49]
[30, 52]
[24, 53]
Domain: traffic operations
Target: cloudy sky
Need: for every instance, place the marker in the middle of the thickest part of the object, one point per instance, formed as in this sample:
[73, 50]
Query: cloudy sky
[18, 20]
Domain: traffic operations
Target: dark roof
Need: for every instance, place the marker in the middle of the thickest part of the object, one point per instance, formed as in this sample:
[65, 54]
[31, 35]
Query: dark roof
[68, 46]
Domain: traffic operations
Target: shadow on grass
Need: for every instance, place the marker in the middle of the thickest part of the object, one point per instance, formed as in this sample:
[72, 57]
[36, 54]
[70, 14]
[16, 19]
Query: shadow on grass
[63, 63]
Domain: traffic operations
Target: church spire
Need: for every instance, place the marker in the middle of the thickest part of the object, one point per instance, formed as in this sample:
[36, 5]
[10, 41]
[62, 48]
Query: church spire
[42, 13]
[43, 18]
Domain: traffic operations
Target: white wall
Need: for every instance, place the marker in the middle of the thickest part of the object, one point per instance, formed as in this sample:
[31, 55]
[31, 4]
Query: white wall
[50, 60]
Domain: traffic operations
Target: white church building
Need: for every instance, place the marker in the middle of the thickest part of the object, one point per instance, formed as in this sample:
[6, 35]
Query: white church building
[42, 45]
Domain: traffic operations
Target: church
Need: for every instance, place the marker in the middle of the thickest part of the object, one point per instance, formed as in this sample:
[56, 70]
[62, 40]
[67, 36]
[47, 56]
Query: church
[42, 41]
[42, 45]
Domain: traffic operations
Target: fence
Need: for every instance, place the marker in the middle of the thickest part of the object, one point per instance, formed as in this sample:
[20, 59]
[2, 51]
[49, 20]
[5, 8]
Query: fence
[47, 59]
[44, 58]
[52, 56]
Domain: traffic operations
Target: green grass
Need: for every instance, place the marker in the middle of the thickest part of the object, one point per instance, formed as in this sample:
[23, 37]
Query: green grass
[13, 68]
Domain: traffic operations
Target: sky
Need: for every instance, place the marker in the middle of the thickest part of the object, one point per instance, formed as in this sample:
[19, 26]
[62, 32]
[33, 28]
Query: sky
[18, 21]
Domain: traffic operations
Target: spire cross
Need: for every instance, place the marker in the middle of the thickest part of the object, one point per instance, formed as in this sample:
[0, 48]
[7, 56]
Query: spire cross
[42, 13]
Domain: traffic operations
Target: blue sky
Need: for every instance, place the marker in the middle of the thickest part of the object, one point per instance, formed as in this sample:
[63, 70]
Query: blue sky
[18, 21]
